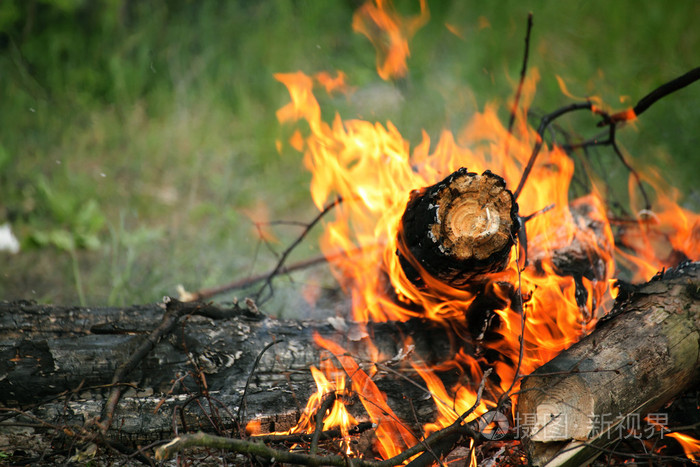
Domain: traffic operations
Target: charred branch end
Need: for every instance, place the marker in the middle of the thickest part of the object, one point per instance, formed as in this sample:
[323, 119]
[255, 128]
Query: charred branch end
[458, 229]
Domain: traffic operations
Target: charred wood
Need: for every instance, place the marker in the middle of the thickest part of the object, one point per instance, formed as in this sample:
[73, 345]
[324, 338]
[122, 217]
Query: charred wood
[58, 363]
[457, 229]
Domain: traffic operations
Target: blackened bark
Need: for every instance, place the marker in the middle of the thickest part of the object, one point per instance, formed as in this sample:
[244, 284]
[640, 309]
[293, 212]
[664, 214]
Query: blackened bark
[457, 229]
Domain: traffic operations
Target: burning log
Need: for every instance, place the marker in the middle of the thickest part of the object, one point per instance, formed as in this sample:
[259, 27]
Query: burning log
[47, 350]
[69, 355]
[633, 363]
[459, 228]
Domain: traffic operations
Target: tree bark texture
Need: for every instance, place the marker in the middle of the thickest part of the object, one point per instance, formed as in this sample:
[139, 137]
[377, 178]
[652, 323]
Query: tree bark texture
[646, 354]
[71, 352]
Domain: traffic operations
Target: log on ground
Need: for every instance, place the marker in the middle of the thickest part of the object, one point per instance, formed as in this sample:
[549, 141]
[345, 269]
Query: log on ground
[646, 354]
[68, 356]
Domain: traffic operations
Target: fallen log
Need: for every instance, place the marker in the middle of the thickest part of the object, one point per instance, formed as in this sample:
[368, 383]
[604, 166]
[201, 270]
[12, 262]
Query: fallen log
[629, 366]
[68, 356]
[57, 363]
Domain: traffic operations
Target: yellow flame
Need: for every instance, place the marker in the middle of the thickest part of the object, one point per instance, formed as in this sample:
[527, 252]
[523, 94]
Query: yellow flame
[389, 32]
[374, 169]
[690, 445]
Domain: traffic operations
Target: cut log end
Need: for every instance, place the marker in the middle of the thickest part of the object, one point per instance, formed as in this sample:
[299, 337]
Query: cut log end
[474, 221]
[560, 413]
[459, 228]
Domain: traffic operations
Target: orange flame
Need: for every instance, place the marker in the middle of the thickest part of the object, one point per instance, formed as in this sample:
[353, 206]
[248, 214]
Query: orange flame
[392, 436]
[390, 33]
[253, 427]
[374, 169]
[658, 238]
[450, 405]
[330, 382]
[333, 84]
[690, 445]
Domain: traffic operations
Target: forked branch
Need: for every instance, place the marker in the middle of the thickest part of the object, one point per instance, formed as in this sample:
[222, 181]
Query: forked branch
[608, 120]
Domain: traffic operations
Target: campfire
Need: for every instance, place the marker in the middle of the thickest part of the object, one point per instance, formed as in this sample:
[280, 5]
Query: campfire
[476, 232]
[500, 316]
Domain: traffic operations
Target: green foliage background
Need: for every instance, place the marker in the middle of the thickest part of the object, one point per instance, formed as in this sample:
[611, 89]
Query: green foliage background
[136, 137]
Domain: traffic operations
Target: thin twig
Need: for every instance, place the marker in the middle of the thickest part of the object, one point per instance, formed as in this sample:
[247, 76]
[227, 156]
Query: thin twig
[207, 293]
[594, 141]
[608, 120]
[613, 143]
[201, 439]
[428, 449]
[537, 213]
[201, 381]
[285, 253]
[521, 311]
[242, 404]
[328, 401]
[445, 440]
[523, 72]
[173, 313]
[544, 123]
[307, 438]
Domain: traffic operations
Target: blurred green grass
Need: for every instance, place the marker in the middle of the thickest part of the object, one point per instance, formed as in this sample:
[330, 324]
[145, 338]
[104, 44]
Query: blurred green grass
[162, 115]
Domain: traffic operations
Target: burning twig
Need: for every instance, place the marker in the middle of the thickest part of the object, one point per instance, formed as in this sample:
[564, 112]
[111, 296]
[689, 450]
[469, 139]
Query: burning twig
[326, 405]
[441, 442]
[609, 120]
[259, 449]
[307, 438]
[648, 100]
[445, 440]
